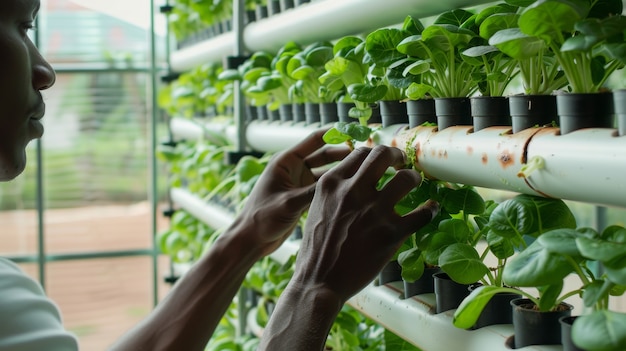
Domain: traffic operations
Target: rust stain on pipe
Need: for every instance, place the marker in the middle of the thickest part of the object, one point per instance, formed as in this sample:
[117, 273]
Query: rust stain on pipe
[470, 150]
[506, 159]
[484, 158]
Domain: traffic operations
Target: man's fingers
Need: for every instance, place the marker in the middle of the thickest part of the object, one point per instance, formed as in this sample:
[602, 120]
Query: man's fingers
[402, 182]
[419, 217]
[326, 156]
[378, 161]
[309, 145]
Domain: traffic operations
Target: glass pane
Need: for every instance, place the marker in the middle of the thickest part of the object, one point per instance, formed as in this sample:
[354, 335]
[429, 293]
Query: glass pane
[100, 299]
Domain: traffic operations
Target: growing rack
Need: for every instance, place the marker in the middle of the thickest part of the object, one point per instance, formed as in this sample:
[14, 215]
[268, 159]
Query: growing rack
[578, 165]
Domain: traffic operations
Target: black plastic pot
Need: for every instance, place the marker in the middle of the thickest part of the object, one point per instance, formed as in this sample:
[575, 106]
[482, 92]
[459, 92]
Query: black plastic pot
[261, 113]
[312, 112]
[497, 311]
[328, 113]
[249, 16]
[566, 334]
[251, 113]
[420, 112]
[453, 112]
[273, 7]
[528, 111]
[376, 116]
[533, 327]
[578, 111]
[489, 111]
[261, 12]
[448, 293]
[286, 112]
[300, 2]
[299, 114]
[343, 109]
[393, 112]
[286, 5]
[424, 285]
[392, 272]
[619, 100]
[273, 115]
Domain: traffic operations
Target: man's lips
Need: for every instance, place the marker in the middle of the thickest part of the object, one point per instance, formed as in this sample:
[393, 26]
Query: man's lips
[38, 112]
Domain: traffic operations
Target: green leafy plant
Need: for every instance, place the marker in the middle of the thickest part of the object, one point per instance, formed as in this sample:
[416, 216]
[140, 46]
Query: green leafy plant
[496, 69]
[436, 55]
[184, 240]
[586, 38]
[305, 67]
[510, 225]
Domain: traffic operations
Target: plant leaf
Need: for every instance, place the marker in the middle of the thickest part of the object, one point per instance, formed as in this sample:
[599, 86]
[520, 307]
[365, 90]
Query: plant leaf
[600, 331]
[462, 263]
[536, 266]
[471, 307]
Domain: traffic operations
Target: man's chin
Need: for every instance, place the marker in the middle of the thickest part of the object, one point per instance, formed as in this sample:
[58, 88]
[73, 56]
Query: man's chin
[10, 169]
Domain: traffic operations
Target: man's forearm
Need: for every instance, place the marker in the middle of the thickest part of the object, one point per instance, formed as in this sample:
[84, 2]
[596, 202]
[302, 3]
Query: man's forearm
[301, 320]
[189, 314]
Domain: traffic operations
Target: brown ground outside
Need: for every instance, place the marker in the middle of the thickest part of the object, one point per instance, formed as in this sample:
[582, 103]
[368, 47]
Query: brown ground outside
[99, 299]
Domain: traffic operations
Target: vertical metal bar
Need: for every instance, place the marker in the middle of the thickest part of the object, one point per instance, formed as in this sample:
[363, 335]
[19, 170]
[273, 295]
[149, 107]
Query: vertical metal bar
[240, 119]
[153, 192]
[238, 99]
[41, 248]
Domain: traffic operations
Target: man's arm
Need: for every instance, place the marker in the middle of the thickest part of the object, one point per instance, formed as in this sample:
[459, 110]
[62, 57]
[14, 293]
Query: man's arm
[187, 317]
[351, 232]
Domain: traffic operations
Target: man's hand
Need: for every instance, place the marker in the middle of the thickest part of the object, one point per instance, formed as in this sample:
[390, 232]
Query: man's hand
[352, 229]
[285, 190]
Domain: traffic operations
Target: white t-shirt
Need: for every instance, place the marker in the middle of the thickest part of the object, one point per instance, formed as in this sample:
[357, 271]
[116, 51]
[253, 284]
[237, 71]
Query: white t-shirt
[29, 321]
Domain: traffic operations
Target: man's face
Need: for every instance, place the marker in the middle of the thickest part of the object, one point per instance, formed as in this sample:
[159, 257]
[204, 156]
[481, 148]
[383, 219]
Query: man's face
[23, 73]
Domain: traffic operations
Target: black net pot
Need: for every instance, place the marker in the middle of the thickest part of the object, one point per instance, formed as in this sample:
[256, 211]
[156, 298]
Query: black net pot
[273, 115]
[273, 7]
[393, 112]
[448, 293]
[420, 112]
[343, 112]
[261, 113]
[497, 310]
[489, 111]
[251, 113]
[312, 112]
[299, 114]
[286, 5]
[455, 111]
[533, 327]
[300, 2]
[328, 113]
[528, 111]
[619, 100]
[286, 112]
[578, 111]
[566, 334]
[392, 272]
[261, 12]
[376, 116]
[424, 285]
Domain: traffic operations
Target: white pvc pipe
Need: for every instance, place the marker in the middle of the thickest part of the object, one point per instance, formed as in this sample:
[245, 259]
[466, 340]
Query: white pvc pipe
[276, 136]
[587, 165]
[213, 50]
[214, 216]
[311, 22]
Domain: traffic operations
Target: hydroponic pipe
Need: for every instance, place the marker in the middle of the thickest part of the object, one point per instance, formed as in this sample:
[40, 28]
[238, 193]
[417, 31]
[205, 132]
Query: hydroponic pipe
[587, 165]
[311, 22]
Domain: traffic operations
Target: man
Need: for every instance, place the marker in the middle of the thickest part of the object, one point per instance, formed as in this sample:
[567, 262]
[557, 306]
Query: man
[350, 223]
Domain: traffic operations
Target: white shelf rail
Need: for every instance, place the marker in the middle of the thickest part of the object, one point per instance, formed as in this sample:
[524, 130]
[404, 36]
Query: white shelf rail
[412, 319]
[311, 22]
